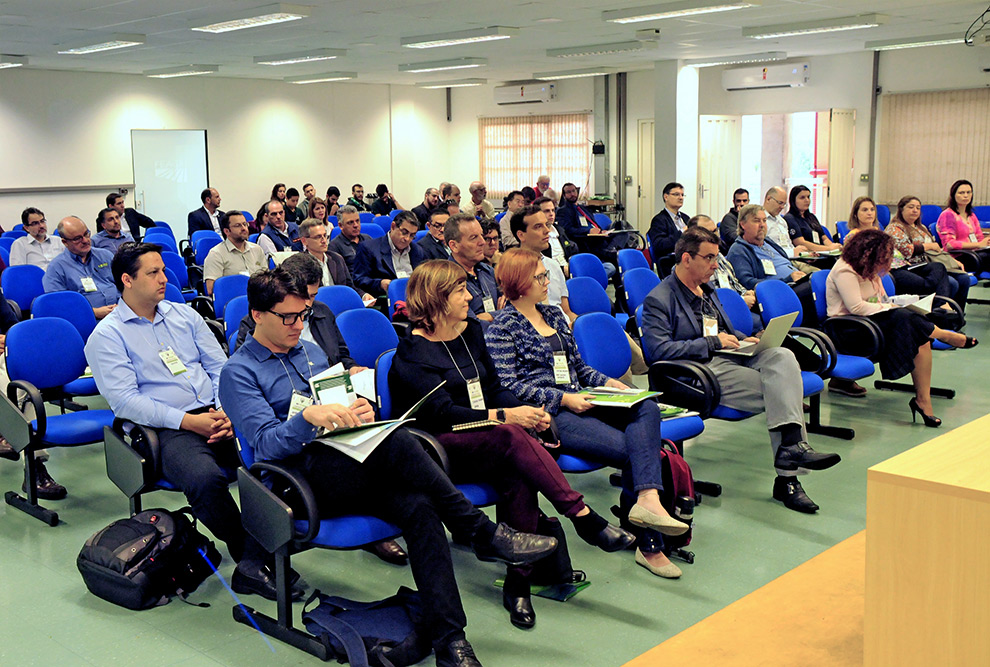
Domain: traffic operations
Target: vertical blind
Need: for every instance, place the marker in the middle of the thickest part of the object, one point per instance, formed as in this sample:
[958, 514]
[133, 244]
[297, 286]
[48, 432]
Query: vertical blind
[516, 150]
[930, 140]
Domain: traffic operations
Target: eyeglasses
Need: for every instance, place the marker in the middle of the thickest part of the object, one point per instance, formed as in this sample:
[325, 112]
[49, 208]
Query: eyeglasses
[491, 239]
[77, 239]
[542, 278]
[288, 319]
[36, 222]
[777, 200]
[318, 237]
[711, 259]
[405, 233]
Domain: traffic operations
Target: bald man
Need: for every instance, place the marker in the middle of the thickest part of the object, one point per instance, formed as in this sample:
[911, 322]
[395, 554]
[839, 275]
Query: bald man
[82, 268]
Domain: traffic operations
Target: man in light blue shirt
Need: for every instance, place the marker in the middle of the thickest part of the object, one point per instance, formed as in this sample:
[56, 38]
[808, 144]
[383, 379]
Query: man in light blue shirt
[111, 237]
[82, 268]
[158, 365]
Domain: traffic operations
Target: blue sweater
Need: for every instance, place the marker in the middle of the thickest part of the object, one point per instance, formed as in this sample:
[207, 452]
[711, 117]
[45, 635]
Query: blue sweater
[749, 269]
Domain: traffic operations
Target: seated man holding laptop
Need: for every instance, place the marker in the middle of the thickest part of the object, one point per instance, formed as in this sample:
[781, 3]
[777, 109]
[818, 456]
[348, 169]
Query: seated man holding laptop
[683, 319]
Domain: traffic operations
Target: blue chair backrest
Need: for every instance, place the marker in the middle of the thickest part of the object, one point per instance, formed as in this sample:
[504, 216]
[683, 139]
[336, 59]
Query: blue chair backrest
[382, 221]
[930, 213]
[172, 278]
[818, 281]
[161, 237]
[394, 212]
[602, 344]
[842, 228]
[367, 217]
[827, 233]
[161, 229]
[334, 233]
[883, 215]
[777, 298]
[201, 234]
[374, 231]
[226, 288]
[499, 216]
[244, 450]
[421, 234]
[22, 283]
[5, 255]
[6, 242]
[174, 294]
[736, 309]
[638, 283]
[232, 342]
[332, 219]
[982, 213]
[14, 234]
[248, 216]
[382, 367]
[235, 311]
[367, 333]
[888, 284]
[30, 346]
[933, 228]
[69, 306]
[630, 258]
[587, 296]
[603, 220]
[18, 227]
[164, 225]
[586, 264]
[396, 292]
[204, 247]
[253, 238]
[339, 298]
[175, 262]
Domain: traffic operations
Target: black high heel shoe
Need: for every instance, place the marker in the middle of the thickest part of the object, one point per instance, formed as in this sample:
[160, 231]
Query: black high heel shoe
[931, 421]
[970, 342]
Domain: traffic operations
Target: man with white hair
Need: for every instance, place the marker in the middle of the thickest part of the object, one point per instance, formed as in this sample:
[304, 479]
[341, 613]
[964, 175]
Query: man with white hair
[478, 205]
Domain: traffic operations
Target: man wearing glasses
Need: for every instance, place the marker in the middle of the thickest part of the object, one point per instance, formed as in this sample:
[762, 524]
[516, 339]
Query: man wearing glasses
[236, 255]
[380, 261]
[478, 206]
[82, 268]
[491, 234]
[683, 319]
[777, 230]
[668, 225]
[37, 248]
[157, 364]
[432, 244]
[333, 268]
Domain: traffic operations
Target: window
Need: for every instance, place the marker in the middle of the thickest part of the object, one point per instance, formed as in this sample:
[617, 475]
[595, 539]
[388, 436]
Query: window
[516, 150]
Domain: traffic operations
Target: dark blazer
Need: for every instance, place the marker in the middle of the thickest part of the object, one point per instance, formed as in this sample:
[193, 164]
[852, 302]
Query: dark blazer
[135, 221]
[670, 329]
[373, 264]
[728, 231]
[433, 249]
[339, 271]
[749, 269]
[572, 221]
[323, 325]
[200, 219]
[663, 233]
[423, 214]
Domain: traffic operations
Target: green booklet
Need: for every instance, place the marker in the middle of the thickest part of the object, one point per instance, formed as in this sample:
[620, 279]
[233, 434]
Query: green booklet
[624, 398]
[558, 592]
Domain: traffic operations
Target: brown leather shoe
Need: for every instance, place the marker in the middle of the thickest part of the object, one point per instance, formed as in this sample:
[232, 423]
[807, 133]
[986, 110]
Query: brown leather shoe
[389, 551]
[7, 451]
[48, 488]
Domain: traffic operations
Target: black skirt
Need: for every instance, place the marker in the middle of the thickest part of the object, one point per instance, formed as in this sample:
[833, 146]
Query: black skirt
[904, 332]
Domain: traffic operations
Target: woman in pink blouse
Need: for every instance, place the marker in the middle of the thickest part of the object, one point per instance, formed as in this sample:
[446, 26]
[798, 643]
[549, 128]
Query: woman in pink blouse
[854, 287]
[958, 227]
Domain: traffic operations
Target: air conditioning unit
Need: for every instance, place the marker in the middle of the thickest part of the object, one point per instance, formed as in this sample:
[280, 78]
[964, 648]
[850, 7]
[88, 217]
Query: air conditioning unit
[526, 93]
[771, 75]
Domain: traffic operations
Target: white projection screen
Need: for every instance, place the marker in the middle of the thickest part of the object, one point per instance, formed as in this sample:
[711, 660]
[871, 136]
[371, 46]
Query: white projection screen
[170, 171]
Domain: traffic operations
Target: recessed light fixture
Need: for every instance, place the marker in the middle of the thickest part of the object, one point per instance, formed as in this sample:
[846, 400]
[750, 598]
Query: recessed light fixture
[6, 62]
[459, 83]
[183, 70]
[440, 65]
[267, 15]
[455, 38]
[574, 73]
[673, 10]
[326, 77]
[812, 27]
[913, 42]
[300, 57]
[106, 43]
[598, 49]
[737, 60]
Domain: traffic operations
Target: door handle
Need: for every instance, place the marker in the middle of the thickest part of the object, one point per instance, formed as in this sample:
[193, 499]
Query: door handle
[639, 190]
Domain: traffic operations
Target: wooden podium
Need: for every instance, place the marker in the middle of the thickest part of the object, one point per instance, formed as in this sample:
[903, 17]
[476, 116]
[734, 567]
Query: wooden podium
[928, 553]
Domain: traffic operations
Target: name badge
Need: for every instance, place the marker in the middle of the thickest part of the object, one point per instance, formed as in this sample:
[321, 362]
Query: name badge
[172, 361]
[489, 304]
[723, 279]
[768, 267]
[972, 238]
[709, 325]
[88, 284]
[402, 274]
[561, 371]
[475, 395]
[299, 403]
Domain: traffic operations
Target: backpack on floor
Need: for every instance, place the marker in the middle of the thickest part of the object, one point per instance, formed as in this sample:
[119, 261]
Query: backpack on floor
[677, 496]
[381, 633]
[146, 560]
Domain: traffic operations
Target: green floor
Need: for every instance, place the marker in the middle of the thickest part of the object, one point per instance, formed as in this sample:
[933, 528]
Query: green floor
[742, 540]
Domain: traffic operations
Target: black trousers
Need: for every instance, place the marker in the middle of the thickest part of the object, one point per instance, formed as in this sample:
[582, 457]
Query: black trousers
[932, 278]
[402, 484]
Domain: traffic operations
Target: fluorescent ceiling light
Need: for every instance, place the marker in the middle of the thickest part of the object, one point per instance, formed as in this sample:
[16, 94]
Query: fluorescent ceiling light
[267, 15]
[812, 27]
[106, 43]
[300, 57]
[462, 37]
[597, 49]
[440, 65]
[184, 70]
[326, 77]
[6, 62]
[573, 74]
[912, 42]
[459, 83]
[673, 10]
[736, 60]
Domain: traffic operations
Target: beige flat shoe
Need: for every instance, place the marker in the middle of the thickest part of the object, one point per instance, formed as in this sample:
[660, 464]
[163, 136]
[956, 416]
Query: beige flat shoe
[644, 518]
[668, 571]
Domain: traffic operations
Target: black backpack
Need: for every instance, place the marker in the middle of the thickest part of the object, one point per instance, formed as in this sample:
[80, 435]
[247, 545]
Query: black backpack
[145, 560]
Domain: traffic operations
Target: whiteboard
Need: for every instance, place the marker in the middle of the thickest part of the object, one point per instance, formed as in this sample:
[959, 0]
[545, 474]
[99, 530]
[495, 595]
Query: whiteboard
[170, 171]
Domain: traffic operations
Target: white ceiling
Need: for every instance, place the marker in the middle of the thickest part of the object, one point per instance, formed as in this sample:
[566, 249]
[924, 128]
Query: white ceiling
[371, 30]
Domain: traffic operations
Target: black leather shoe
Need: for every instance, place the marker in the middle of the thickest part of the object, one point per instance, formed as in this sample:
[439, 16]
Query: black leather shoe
[801, 455]
[457, 653]
[515, 548]
[791, 493]
[7, 451]
[389, 551]
[611, 538]
[258, 580]
[520, 608]
[48, 488]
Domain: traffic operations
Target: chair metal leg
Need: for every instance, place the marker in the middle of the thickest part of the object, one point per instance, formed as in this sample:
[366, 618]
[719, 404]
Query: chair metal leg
[816, 426]
[30, 504]
[909, 388]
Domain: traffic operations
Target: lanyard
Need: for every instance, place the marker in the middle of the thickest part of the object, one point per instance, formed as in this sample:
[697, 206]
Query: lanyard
[285, 368]
[477, 373]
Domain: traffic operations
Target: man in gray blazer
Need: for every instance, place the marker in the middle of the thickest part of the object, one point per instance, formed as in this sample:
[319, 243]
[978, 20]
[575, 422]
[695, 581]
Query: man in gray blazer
[683, 319]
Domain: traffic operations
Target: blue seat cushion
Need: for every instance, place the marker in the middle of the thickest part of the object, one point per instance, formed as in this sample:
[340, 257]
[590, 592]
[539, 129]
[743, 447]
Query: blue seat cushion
[622, 318]
[813, 384]
[82, 387]
[76, 428]
[165, 485]
[351, 531]
[479, 495]
[570, 463]
[730, 414]
[852, 368]
[682, 428]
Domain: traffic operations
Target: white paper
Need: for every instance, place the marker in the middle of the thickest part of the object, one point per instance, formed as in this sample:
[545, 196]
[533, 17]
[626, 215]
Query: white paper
[364, 384]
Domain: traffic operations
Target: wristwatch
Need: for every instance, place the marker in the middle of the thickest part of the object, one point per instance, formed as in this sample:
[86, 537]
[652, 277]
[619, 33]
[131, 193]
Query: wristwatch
[500, 415]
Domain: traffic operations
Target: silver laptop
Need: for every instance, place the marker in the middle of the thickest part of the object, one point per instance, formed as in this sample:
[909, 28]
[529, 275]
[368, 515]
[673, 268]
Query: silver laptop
[772, 336]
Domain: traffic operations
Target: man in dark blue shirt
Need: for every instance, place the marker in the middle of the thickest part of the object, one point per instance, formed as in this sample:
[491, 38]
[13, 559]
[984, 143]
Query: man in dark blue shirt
[467, 247]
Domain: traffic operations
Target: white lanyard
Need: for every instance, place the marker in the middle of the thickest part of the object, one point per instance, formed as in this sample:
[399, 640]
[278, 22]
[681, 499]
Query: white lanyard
[561, 371]
[299, 400]
[475, 395]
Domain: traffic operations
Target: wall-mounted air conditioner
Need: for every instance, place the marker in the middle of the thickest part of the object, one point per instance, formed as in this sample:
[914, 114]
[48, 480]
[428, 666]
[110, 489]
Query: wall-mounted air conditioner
[771, 75]
[526, 93]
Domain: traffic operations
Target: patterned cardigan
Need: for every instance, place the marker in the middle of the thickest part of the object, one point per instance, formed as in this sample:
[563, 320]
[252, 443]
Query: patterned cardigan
[524, 358]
